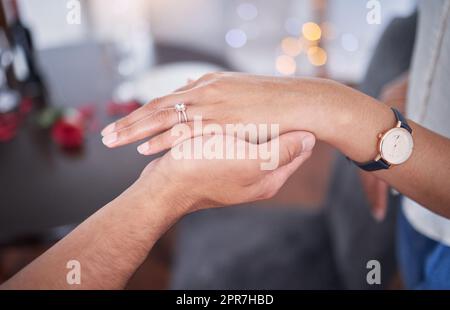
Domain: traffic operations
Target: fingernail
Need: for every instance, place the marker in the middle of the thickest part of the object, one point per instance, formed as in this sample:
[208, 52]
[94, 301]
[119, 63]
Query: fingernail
[144, 148]
[308, 143]
[108, 129]
[379, 214]
[109, 139]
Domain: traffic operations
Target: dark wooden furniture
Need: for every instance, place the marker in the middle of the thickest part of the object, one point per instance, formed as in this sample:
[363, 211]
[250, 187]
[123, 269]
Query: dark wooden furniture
[45, 191]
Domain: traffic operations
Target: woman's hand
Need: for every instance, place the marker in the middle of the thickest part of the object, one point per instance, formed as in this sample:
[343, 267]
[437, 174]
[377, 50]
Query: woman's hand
[219, 98]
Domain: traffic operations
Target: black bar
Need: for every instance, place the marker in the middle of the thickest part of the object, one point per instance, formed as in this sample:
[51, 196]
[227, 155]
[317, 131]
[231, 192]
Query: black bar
[224, 299]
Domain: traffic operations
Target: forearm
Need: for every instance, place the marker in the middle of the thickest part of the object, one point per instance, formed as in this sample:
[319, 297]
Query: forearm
[351, 121]
[109, 246]
[425, 177]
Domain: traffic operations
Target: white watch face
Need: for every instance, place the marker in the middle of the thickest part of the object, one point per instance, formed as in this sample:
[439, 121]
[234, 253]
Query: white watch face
[396, 146]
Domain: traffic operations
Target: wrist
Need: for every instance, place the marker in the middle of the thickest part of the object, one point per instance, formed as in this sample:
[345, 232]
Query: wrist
[160, 196]
[342, 117]
[354, 122]
[143, 212]
[316, 108]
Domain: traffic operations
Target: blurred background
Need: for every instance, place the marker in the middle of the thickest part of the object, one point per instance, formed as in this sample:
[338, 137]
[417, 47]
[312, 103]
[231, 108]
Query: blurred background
[68, 68]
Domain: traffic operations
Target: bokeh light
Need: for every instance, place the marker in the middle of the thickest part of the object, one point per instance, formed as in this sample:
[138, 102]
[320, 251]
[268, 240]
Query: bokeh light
[236, 38]
[291, 46]
[293, 26]
[247, 11]
[349, 42]
[310, 43]
[317, 56]
[286, 65]
[311, 31]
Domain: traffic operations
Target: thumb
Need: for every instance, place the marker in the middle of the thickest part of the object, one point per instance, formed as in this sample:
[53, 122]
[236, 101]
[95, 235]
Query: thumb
[295, 149]
[294, 144]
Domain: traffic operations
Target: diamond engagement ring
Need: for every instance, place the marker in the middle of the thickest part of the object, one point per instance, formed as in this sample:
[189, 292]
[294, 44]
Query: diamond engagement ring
[180, 108]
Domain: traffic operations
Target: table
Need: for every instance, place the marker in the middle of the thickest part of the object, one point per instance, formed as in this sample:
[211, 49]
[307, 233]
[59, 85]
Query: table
[44, 192]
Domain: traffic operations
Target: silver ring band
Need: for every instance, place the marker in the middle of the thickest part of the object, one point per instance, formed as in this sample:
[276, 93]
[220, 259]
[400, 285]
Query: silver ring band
[180, 108]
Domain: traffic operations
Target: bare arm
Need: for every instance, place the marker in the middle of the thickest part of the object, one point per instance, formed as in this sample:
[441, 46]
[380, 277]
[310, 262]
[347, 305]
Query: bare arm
[109, 246]
[353, 122]
[376, 190]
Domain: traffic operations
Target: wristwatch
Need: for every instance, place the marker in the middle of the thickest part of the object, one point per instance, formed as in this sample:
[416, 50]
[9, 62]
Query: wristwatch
[395, 146]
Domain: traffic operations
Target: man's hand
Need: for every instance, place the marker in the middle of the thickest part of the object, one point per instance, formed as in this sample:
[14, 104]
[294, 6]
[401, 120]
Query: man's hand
[112, 243]
[204, 183]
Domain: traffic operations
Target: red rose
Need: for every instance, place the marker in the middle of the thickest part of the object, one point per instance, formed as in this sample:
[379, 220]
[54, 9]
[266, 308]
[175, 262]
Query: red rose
[9, 124]
[67, 135]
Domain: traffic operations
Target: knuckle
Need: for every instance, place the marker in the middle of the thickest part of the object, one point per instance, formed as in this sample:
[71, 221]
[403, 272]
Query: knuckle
[161, 140]
[122, 123]
[211, 75]
[212, 88]
[155, 103]
[206, 77]
[125, 133]
[162, 116]
[289, 153]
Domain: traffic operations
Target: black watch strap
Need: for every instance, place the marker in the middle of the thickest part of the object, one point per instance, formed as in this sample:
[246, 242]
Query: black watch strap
[400, 118]
[374, 165]
[381, 163]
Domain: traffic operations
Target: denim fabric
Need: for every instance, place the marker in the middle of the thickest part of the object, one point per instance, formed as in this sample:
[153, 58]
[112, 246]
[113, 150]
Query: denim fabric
[424, 262]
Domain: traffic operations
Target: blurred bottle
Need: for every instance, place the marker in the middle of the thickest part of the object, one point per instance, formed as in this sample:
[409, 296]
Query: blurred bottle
[26, 71]
[9, 97]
